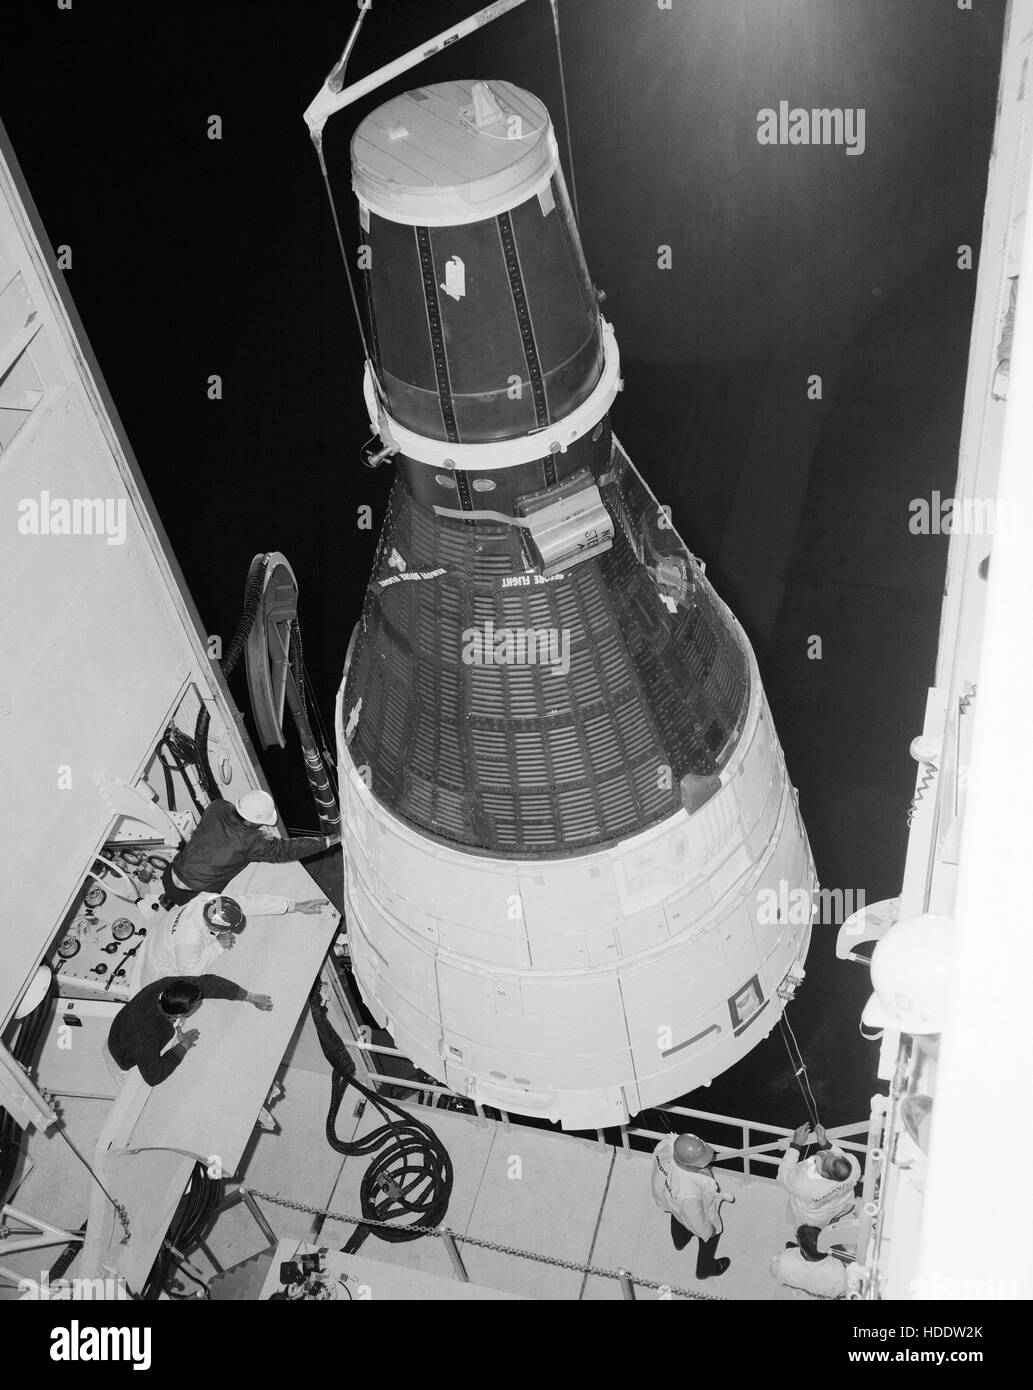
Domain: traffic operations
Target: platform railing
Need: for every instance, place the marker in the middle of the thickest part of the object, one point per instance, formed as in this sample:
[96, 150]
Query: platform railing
[760, 1145]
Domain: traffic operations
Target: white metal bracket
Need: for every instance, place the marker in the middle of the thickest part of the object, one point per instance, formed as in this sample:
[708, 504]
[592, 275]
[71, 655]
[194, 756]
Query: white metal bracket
[138, 804]
[19, 1097]
[868, 923]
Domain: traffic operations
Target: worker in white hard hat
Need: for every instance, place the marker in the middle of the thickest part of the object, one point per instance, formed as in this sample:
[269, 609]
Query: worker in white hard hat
[226, 840]
[820, 1187]
[685, 1186]
[191, 940]
[806, 1272]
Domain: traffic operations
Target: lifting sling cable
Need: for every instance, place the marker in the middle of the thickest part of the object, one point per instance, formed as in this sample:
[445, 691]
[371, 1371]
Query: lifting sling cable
[566, 114]
[336, 81]
[799, 1069]
[344, 256]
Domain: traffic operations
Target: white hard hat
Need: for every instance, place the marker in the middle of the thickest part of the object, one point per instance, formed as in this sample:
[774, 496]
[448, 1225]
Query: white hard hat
[910, 970]
[257, 807]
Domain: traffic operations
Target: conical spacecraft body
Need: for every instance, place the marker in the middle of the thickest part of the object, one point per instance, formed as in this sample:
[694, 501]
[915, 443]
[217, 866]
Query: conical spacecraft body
[570, 839]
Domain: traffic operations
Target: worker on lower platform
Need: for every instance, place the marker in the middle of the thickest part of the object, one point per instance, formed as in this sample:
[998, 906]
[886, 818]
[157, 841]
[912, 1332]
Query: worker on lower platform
[141, 1031]
[805, 1272]
[684, 1185]
[820, 1187]
[192, 938]
[229, 838]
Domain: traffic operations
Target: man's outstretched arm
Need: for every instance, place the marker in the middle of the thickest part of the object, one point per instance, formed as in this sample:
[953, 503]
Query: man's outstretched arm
[276, 851]
[272, 905]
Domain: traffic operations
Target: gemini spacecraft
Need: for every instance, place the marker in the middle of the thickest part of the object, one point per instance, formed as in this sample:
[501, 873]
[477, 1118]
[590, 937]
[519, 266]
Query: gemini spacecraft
[563, 798]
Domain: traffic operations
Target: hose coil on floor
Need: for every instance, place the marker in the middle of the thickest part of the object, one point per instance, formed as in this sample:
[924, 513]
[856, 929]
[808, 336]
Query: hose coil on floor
[411, 1175]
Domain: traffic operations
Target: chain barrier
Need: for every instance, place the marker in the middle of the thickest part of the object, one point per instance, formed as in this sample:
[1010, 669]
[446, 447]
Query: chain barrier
[441, 1231]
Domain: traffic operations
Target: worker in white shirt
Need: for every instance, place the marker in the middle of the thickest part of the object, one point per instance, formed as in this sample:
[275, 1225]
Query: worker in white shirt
[684, 1185]
[194, 936]
[805, 1272]
[820, 1187]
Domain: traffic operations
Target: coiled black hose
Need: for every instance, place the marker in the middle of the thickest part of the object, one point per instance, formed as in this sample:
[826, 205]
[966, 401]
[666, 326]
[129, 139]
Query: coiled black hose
[182, 751]
[412, 1173]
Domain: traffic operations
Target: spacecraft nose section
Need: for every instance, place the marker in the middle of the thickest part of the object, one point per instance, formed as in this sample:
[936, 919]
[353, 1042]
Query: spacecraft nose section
[485, 323]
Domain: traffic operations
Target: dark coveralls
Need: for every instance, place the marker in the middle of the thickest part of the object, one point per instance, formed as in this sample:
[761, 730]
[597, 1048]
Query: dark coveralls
[223, 844]
[141, 1028]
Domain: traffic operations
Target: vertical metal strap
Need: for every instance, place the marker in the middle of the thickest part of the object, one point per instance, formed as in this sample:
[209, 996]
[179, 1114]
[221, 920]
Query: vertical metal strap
[462, 483]
[437, 336]
[523, 316]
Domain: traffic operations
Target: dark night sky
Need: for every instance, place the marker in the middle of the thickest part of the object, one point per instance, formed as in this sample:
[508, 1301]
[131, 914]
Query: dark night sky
[194, 257]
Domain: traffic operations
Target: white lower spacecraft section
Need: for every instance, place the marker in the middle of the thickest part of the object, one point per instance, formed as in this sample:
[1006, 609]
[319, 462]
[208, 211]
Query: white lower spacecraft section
[585, 989]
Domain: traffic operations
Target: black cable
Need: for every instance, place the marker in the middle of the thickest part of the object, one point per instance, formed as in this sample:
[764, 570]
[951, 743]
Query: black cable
[315, 765]
[170, 786]
[329, 759]
[296, 656]
[196, 1210]
[171, 742]
[252, 599]
[411, 1175]
[60, 1266]
[204, 767]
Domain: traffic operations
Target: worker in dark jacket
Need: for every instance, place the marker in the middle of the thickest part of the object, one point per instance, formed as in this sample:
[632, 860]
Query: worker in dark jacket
[226, 840]
[143, 1028]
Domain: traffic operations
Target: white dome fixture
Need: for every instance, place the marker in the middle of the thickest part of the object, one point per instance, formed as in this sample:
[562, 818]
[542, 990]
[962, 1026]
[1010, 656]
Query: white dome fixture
[910, 972]
[35, 993]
